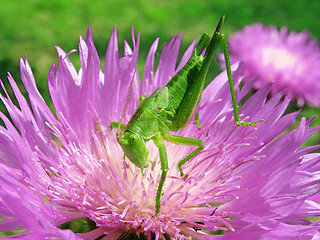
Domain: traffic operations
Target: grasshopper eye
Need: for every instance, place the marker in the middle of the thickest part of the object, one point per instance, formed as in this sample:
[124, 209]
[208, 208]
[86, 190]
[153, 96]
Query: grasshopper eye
[133, 138]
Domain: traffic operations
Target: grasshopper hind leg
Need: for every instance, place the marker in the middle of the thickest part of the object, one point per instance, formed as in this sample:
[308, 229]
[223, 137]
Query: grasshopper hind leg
[231, 85]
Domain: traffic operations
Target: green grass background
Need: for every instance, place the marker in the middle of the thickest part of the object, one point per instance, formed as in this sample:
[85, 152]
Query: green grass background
[33, 27]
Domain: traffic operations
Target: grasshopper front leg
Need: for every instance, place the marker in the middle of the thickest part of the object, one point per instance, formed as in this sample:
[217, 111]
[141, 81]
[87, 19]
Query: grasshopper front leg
[197, 121]
[164, 160]
[164, 168]
[185, 141]
[116, 125]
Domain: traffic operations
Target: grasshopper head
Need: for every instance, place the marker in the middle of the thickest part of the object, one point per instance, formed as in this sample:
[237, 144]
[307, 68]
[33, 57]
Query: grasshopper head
[134, 148]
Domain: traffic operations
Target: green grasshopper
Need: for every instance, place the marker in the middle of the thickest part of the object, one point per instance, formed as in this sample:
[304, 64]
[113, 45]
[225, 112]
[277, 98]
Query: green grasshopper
[171, 109]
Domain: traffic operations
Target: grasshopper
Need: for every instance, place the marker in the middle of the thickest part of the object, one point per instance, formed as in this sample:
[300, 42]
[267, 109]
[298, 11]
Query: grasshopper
[171, 109]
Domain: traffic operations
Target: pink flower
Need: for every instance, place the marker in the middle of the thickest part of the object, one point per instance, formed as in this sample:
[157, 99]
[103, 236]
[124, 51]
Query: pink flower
[291, 61]
[247, 183]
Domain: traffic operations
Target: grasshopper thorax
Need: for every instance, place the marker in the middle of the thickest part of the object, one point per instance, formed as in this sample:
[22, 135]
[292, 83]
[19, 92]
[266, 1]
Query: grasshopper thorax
[134, 147]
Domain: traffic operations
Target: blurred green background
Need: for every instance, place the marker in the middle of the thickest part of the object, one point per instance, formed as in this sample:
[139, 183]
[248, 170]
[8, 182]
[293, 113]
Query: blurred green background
[33, 27]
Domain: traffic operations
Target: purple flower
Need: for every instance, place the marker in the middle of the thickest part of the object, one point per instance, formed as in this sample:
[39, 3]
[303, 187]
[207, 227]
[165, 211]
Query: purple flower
[247, 183]
[290, 60]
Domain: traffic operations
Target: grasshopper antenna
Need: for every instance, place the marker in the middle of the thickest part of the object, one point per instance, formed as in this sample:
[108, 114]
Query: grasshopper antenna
[127, 100]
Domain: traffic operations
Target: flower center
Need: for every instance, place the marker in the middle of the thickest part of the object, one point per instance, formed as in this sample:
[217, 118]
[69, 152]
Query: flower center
[279, 58]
